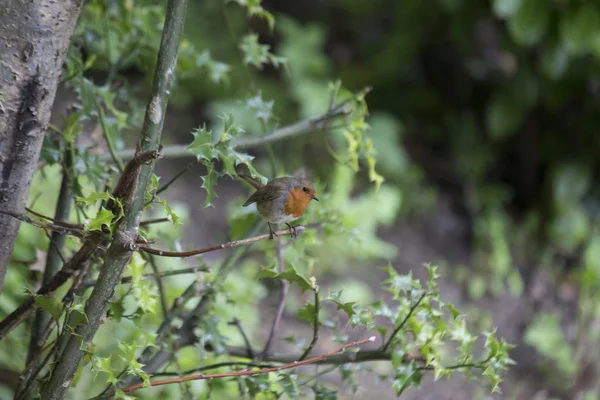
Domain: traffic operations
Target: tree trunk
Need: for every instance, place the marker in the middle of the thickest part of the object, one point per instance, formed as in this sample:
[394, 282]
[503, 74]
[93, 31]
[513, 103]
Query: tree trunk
[34, 38]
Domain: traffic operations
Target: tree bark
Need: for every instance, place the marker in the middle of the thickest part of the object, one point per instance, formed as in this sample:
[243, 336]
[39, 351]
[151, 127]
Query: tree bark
[34, 39]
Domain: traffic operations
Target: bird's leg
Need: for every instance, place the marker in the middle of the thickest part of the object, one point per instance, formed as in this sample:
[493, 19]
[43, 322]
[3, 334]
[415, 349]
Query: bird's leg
[271, 231]
[292, 230]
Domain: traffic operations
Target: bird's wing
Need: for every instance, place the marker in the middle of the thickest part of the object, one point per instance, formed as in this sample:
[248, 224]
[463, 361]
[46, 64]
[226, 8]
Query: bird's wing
[266, 193]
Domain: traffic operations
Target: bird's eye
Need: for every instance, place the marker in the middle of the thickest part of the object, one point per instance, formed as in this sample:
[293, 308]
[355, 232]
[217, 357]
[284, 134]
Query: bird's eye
[305, 189]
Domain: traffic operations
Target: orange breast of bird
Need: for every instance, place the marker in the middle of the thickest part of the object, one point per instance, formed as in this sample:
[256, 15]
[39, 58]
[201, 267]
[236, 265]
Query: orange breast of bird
[296, 203]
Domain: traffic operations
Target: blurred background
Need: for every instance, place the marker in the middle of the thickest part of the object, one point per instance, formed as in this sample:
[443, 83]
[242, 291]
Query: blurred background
[484, 116]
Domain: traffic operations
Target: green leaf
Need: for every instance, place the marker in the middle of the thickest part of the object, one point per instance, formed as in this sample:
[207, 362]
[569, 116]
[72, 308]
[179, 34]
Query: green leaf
[77, 317]
[323, 393]
[255, 9]
[174, 218]
[202, 146]
[268, 273]
[349, 307]
[255, 53]
[230, 129]
[93, 198]
[209, 181]
[530, 22]
[104, 217]
[307, 313]
[289, 385]
[406, 375]
[51, 305]
[293, 275]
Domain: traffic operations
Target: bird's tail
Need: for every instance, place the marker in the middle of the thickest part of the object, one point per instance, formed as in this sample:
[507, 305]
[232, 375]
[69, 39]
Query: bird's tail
[254, 182]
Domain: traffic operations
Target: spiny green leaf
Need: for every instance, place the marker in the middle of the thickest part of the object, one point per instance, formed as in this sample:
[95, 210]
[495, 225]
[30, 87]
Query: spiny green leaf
[307, 313]
[93, 198]
[268, 272]
[202, 146]
[209, 182]
[293, 275]
[51, 305]
[230, 129]
[255, 9]
[174, 218]
[104, 217]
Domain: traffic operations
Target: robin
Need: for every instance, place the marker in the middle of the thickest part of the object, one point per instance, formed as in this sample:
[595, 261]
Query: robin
[281, 200]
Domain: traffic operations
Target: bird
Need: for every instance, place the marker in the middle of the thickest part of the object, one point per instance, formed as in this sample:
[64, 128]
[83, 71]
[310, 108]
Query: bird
[281, 199]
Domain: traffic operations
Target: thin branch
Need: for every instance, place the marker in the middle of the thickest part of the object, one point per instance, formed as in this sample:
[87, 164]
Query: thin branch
[228, 245]
[154, 221]
[57, 222]
[107, 138]
[294, 129]
[236, 322]
[282, 297]
[173, 179]
[44, 225]
[315, 327]
[161, 290]
[215, 366]
[294, 364]
[399, 327]
[304, 126]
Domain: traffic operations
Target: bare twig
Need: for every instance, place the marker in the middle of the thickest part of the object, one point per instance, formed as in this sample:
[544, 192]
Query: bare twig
[154, 221]
[157, 278]
[228, 245]
[107, 138]
[282, 297]
[399, 327]
[215, 366]
[44, 225]
[294, 364]
[57, 222]
[236, 322]
[315, 327]
[173, 179]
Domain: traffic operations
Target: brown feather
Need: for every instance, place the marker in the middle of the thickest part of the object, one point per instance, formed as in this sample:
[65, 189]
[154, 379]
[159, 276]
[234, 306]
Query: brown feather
[268, 192]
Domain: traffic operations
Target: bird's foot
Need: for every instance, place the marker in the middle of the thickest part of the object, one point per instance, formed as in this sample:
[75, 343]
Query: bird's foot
[293, 232]
[271, 232]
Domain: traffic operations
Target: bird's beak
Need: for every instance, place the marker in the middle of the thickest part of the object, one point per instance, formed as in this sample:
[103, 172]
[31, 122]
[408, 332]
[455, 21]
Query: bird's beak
[314, 197]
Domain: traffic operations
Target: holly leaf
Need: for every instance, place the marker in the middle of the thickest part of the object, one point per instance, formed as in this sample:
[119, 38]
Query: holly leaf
[209, 182]
[104, 217]
[307, 313]
[231, 129]
[202, 146]
[50, 305]
[93, 198]
[293, 275]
